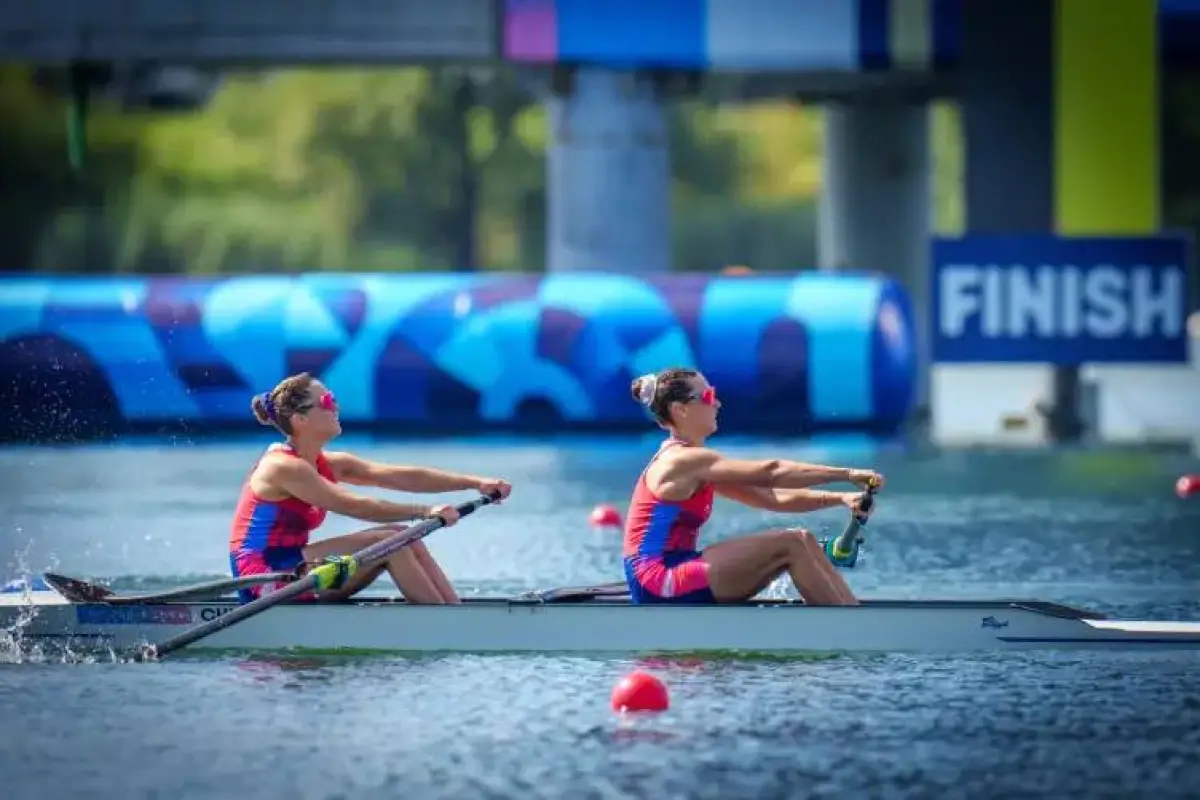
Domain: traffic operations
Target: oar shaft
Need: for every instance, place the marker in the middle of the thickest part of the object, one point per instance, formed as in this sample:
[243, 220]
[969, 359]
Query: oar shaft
[305, 584]
[313, 580]
[200, 591]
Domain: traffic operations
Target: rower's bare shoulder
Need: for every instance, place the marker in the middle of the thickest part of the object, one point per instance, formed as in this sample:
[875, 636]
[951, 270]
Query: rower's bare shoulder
[340, 457]
[281, 465]
[690, 460]
[343, 462]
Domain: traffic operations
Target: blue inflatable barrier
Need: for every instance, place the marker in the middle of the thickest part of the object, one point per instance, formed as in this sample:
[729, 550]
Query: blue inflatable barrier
[459, 351]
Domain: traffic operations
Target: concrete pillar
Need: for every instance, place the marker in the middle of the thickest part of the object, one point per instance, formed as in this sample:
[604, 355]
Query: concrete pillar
[876, 204]
[608, 175]
[1006, 106]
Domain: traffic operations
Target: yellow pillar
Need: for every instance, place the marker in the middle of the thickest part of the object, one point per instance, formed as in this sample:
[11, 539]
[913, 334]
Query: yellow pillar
[1106, 139]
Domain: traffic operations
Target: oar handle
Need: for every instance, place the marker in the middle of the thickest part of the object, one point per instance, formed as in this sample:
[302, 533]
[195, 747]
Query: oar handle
[843, 551]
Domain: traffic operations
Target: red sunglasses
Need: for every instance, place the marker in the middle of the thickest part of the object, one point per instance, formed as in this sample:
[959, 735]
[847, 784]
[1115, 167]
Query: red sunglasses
[708, 397]
[326, 401]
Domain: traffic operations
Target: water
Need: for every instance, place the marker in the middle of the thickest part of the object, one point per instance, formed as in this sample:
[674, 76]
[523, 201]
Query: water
[1098, 529]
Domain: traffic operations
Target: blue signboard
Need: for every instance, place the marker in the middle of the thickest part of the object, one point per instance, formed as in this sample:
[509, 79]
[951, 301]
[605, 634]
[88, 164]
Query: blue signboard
[1050, 299]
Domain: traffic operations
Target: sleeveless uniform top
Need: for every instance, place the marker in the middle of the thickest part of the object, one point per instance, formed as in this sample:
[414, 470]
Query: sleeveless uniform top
[260, 525]
[655, 527]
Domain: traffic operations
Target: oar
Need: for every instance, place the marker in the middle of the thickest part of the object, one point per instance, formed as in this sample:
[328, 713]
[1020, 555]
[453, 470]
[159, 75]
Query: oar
[320, 577]
[843, 550]
[80, 591]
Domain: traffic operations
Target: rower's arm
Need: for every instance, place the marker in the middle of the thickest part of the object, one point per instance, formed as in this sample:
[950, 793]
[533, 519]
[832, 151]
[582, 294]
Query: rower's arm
[753, 496]
[709, 466]
[298, 478]
[421, 480]
[793, 500]
[803, 500]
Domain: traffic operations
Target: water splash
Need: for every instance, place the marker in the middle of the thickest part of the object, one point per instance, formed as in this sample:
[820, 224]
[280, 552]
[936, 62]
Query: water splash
[16, 647]
[13, 648]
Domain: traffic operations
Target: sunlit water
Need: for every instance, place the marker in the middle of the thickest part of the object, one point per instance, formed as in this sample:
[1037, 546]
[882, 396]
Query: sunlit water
[1101, 530]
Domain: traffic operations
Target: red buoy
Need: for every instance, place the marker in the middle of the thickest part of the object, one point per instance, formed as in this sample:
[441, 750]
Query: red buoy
[1187, 485]
[640, 691]
[605, 516]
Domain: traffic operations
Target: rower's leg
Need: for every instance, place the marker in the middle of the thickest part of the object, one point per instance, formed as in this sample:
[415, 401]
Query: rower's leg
[411, 578]
[435, 573]
[405, 569]
[740, 567]
[835, 578]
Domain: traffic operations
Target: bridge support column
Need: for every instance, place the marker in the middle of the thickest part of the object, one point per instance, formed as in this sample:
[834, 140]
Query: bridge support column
[1006, 107]
[608, 174]
[876, 199]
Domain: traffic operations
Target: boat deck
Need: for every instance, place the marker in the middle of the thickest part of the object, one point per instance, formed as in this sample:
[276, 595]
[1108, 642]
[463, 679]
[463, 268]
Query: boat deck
[609, 598]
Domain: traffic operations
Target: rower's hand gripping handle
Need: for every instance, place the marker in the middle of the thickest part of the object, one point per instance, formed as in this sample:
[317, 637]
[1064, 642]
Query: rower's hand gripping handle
[843, 550]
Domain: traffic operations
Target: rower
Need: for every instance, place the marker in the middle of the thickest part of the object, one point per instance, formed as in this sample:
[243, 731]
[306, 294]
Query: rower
[293, 486]
[673, 498]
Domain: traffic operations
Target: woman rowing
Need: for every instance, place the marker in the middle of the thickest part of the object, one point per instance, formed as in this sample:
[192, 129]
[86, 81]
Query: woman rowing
[295, 484]
[673, 498]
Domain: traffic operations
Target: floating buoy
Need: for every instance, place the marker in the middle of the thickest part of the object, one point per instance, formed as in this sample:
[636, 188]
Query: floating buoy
[640, 691]
[605, 516]
[1187, 485]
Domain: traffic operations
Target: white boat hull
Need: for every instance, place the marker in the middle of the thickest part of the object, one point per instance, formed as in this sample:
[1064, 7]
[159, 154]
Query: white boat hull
[595, 625]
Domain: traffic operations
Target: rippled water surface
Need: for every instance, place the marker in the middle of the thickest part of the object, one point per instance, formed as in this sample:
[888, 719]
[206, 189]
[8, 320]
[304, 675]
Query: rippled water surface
[1099, 529]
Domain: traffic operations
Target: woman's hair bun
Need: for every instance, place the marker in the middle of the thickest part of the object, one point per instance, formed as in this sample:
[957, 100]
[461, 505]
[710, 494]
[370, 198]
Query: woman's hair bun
[259, 406]
[643, 389]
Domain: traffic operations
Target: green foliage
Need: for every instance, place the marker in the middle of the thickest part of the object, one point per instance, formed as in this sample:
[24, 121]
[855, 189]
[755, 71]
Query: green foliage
[711, 234]
[51, 219]
[373, 169]
[417, 169]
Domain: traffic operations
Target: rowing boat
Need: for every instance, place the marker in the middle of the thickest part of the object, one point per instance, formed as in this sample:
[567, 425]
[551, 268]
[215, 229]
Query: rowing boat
[590, 619]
